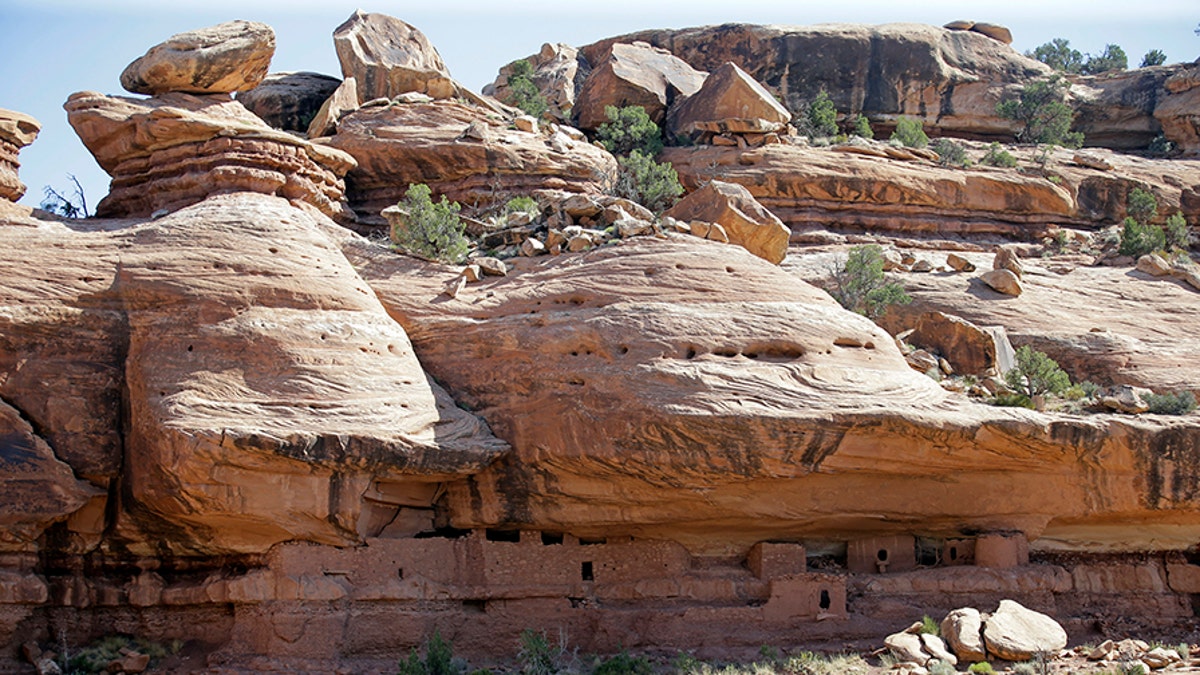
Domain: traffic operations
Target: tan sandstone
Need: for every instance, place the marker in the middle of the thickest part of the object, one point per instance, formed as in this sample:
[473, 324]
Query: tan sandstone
[228, 57]
[17, 130]
[744, 221]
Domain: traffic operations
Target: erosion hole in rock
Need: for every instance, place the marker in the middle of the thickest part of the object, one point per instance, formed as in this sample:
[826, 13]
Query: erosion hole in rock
[624, 349]
[551, 539]
[825, 601]
[586, 572]
[726, 352]
[189, 348]
[510, 536]
[691, 353]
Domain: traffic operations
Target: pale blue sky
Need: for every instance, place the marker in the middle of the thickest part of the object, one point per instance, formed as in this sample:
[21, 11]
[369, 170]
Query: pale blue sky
[51, 48]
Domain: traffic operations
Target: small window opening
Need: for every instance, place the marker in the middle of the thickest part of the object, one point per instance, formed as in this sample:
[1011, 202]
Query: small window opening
[825, 601]
[882, 556]
[551, 539]
[585, 571]
[512, 536]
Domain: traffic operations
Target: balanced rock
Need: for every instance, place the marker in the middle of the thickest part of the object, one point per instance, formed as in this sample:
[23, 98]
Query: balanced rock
[1015, 633]
[1002, 281]
[389, 57]
[729, 101]
[635, 74]
[996, 32]
[228, 57]
[17, 130]
[289, 101]
[746, 222]
[176, 149]
[962, 630]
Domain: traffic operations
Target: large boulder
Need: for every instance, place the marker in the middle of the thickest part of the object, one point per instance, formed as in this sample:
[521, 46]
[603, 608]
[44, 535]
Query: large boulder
[747, 222]
[289, 101]
[558, 74]
[962, 629]
[1177, 111]
[228, 57]
[1002, 281]
[389, 57]
[634, 74]
[460, 152]
[970, 349]
[729, 101]
[176, 149]
[1015, 633]
[17, 130]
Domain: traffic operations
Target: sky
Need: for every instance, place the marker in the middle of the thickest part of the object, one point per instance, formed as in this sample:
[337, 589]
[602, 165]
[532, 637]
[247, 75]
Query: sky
[52, 48]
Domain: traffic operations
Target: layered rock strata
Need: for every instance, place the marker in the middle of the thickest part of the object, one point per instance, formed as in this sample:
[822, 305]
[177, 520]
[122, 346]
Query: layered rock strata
[17, 130]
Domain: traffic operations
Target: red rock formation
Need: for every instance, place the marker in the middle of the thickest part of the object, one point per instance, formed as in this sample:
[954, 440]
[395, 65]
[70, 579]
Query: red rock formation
[176, 149]
[228, 57]
[428, 143]
[17, 130]
[558, 74]
[289, 101]
[633, 74]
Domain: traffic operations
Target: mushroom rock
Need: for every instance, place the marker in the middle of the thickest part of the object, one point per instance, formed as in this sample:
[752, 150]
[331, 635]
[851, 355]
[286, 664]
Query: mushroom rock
[228, 57]
[172, 150]
[17, 130]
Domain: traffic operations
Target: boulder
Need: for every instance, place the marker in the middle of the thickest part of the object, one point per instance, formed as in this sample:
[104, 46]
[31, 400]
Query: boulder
[936, 648]
[1092, 161]
[746, 222]
[228, 57]
[959, 264]
[289, 101]
[729, 101]
[1154, 265]
[922, 361]
[1007, 259]
[994, 31]
[176, 149]
[343, 100]
[962, 629]
[1002, 281]
[970, 349]
[906, 646]
[389, 57]
[1125, 398]
[17, 130]
[556, 73]
[634, 74]
[1015, 633]
[1161, 657]
[461, 152]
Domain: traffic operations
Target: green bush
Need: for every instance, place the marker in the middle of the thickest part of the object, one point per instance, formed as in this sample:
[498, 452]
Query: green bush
[861, 126]
[981, 668]
[1012, 400]
[629, 129]
[860, 285]
[536, 656]
[909, 132]
[1141, 205]
[523, 92]
[623, 664]
[523, 204]
[1177, 233]
[1181, 403]
[1154, 57]
[1112, 58]
[930, 626]
[439, 659]
[430, 229]
[1160, 146]
[950, 153]
[1044, 116]
[645, 181]
[1058, 55]
[1137, 240]
[820, 117]
[1036, 374]
[998, 156]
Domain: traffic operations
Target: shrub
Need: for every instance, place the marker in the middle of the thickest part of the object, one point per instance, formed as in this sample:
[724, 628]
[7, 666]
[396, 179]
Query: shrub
[860, 286]
[1160, 146]
[1181, 403]
[73, 206]
[623, 664]
[1137, 240]
[998, 156]
[537, 657]
[1141, 204]
[1044, 117]
[909, 132]
[430, 229]
[930, 626]
[1154, 57]
[821, 117]
[628, 129]
[1058, 55]
[523, 92]
[1036, 374]
[647, 182]
[1112, 58]
[938, 667]
[981, 668]
[439, 659]
[1011, 400]
[861, 126]
[950, 153]
[1177, 233]
[523, 204]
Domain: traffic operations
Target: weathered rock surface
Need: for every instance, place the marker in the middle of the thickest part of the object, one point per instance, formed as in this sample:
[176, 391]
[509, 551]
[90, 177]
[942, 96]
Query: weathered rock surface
[1002, 281]
[388, 57]
[962, 629]
[955, 77]
[17, 130]
[729, 101]
[342, 101]
[970, 349]
[1014, 633]
[1177, 111]
[634, 74]
[558, 74]
[176, 149]
[426, 143]
[289, 101]
[228, 57]
[744, 220]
